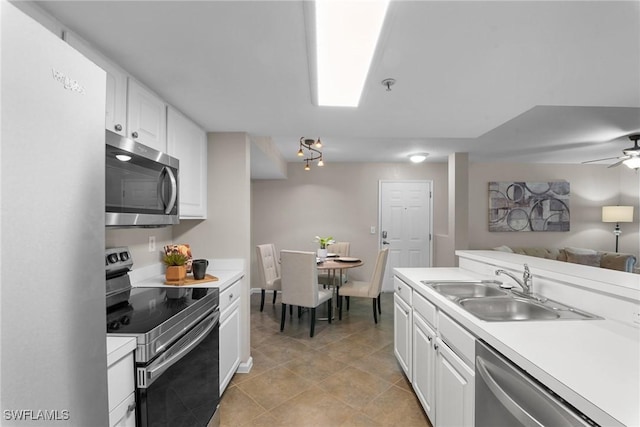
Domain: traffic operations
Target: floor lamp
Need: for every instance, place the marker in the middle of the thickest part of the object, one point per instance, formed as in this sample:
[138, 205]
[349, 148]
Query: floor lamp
[617, 214]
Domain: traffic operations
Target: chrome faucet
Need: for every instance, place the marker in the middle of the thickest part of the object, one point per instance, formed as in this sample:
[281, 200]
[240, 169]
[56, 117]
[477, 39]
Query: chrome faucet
[525, 283]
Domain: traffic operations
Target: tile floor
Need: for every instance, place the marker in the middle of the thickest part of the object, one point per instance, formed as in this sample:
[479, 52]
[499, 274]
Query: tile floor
[346, 375]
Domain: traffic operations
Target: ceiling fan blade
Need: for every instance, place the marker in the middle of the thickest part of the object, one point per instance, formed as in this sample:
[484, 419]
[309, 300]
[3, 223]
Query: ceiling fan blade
[618, 163]
[601, 160]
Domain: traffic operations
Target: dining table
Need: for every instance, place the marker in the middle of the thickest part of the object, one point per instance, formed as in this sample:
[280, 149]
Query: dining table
[333, 264]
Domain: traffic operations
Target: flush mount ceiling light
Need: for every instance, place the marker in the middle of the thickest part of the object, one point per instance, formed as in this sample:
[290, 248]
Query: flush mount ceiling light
[310, 150]
[346, 36]
[418, 157]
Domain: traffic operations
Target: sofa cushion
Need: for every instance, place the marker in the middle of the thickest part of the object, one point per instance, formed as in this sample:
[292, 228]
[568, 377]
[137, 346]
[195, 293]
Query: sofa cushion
[580, 257]
[617, 261]
[549, 253]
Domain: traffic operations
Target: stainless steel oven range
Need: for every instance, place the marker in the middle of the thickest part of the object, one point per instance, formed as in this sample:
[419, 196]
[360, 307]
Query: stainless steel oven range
[177, 354]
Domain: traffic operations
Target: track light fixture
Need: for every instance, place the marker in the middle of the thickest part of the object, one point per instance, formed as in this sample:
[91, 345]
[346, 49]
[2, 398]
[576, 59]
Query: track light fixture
[310, 150]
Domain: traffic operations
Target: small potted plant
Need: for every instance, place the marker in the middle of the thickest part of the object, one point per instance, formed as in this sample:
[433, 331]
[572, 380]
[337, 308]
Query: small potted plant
[324, 241]
[176, 266]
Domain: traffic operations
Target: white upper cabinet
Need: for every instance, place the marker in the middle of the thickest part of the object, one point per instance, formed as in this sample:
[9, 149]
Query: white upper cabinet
[116, 107]
[146, 117]
[188, 143]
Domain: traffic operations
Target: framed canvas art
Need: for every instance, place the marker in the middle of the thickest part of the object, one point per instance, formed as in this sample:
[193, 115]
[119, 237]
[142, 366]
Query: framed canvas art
[529, 206]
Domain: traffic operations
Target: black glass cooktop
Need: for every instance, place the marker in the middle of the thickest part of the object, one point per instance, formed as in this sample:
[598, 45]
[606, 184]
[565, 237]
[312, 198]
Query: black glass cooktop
[149, 308]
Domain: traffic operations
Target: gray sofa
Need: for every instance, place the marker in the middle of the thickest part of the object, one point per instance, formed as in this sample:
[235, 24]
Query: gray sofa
[610, 260]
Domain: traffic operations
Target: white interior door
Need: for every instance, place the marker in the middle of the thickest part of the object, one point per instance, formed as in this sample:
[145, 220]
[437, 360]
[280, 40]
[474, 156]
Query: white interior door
[405, 225]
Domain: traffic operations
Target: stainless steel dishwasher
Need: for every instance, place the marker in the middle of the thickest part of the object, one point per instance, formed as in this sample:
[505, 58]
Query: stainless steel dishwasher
[507, 396]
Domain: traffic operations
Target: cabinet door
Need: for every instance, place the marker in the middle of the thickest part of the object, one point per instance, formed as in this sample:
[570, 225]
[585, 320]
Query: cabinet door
[402, 334]
[188, 143]
[146, 117]
[116, 104]
[424, 364]
[229, 344]
[455, 383]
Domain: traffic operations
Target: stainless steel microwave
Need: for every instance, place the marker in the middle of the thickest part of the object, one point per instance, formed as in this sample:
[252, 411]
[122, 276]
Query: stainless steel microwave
[141, 185]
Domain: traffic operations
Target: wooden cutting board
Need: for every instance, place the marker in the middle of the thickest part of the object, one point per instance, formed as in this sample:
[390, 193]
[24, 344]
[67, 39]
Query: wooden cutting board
[189, 280]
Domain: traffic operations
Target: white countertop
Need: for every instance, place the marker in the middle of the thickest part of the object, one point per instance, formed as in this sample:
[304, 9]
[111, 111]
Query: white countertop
[592, 364]
[118, 347]
[225, 278]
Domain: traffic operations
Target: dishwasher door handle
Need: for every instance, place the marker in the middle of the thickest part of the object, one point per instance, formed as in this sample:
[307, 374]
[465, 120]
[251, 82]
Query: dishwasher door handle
[543, 408]
[516, 410]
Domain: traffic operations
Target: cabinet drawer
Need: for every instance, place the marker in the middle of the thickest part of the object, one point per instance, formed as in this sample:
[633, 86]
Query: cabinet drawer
[228, 297]
[124, 415]
[402, 290]
[456, 337]
[425, 309]
[120, 377]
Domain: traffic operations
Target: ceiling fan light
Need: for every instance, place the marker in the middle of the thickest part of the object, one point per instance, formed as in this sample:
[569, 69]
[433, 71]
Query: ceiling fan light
[633, 162]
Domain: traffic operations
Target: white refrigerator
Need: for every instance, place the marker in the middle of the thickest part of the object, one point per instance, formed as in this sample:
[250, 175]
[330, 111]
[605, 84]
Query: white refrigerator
[52, 297]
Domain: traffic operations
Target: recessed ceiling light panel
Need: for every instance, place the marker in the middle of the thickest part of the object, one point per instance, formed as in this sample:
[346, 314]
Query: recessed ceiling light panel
[346, 36]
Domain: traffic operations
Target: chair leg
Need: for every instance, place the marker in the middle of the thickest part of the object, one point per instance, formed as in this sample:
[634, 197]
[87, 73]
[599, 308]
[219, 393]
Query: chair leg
[283, 317]
[375, 311]
[330, 309]
[379, 308]
[299, 312]
[348, 303]
[262, 300]
[290, 310]
[275, 294]
[313, 322]
[340, 308]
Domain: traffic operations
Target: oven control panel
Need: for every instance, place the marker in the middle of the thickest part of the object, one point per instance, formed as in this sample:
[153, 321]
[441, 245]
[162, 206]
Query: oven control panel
[117, 259]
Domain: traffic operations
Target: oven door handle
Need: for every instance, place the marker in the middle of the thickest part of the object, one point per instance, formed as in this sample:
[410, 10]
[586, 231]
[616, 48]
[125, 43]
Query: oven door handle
[185, 344]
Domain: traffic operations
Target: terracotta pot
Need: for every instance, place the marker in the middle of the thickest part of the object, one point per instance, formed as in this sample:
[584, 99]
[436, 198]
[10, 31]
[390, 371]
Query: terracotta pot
[176, 272]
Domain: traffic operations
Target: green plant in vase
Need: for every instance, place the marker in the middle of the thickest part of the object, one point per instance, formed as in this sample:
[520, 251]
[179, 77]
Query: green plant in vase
[176, 266]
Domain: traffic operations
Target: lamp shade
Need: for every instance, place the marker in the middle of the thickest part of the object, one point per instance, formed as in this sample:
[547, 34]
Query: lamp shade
[617, 214]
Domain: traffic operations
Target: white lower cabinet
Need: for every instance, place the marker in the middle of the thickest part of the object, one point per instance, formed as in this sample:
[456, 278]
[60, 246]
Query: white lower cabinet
[455, 382]
[443, 379]
[121, 382]
[229, 334]
[402, 334]
[424, 364]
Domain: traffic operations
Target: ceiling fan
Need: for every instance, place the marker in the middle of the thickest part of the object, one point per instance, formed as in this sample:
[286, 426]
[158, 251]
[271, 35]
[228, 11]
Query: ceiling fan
[631, 157]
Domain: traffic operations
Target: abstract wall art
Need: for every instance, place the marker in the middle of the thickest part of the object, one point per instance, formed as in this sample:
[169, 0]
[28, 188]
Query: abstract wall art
[529, 206]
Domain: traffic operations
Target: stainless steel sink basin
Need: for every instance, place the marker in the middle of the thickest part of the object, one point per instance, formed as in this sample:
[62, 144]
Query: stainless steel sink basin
[507, 309]
[467, 290]
[487, 301]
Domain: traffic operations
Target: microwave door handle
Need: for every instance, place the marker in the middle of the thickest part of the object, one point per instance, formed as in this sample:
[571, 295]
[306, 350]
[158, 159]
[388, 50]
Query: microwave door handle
[174, 190]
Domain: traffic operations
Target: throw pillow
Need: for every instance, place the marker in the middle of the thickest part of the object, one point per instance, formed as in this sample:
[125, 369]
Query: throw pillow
[503, 248]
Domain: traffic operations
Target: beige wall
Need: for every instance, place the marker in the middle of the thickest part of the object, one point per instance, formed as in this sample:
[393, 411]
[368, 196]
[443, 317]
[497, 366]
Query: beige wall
[592, 186]
[339, 200]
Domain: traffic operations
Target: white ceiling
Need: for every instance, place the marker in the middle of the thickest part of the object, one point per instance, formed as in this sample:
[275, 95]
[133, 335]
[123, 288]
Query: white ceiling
[538, 81]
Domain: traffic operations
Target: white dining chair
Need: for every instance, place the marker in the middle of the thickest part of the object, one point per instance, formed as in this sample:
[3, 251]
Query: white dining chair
[268, 271]
[370, 289]
[300, 285]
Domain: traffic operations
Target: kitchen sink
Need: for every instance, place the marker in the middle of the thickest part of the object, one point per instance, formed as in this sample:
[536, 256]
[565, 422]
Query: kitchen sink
[507, 309]
[487, 301]
[467, 290]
